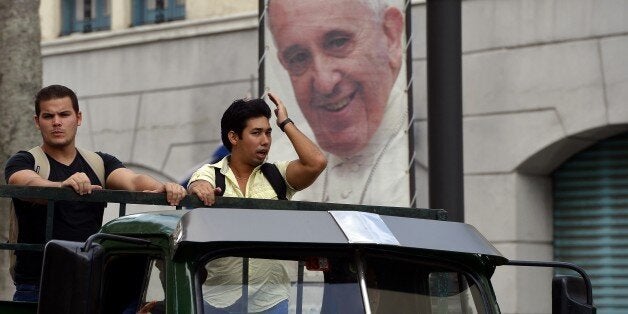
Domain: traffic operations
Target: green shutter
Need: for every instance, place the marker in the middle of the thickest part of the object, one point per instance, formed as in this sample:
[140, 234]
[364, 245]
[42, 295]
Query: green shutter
[591, 219]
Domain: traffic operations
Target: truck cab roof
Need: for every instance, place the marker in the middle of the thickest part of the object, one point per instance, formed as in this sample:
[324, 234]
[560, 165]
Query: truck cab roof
[199, 230]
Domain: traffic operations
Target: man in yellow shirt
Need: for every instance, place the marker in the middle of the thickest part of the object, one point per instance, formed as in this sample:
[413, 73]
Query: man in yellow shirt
[246, 133]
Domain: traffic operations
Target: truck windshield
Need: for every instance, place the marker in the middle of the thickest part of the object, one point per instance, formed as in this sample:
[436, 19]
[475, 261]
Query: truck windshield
[332, 284]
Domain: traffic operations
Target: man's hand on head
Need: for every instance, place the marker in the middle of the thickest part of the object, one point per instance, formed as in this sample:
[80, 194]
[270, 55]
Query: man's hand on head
[205, 191]
[280, 112]
[80, 183]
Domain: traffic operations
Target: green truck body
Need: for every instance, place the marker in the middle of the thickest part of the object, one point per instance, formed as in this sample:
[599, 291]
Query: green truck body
[338, 258]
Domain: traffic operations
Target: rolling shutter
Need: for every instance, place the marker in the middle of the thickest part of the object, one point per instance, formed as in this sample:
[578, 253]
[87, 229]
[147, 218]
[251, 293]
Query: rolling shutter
[591, 219]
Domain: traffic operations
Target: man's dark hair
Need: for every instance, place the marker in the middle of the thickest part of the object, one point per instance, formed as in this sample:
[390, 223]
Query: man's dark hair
[236, 116]
[55, 92]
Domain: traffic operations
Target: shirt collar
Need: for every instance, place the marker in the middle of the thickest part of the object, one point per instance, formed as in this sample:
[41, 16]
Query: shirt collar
[223, 164]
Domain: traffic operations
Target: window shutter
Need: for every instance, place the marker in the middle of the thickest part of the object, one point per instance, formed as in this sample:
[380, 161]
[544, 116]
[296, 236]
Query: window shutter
[591, 219]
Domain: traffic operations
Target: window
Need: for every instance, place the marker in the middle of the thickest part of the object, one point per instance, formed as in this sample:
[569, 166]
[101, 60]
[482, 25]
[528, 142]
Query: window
[154, 296]
[329, 283]
[157, 11]
[450, 293]
[133, 282]
[84, 16]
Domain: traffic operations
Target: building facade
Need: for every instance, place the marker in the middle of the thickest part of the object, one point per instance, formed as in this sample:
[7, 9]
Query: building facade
[543, 82]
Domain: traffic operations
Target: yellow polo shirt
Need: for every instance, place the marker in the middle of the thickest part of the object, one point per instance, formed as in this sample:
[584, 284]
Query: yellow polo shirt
[257, 186]
[269, 283]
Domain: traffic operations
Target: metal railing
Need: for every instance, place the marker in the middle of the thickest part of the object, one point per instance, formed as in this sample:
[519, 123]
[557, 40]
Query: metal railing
[53, 195]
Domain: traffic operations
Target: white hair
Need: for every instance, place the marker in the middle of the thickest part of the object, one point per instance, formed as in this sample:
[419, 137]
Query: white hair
[376, 6]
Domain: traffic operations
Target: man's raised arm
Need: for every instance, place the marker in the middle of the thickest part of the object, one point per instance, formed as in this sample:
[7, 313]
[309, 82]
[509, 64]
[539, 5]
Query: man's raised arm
[301, 172]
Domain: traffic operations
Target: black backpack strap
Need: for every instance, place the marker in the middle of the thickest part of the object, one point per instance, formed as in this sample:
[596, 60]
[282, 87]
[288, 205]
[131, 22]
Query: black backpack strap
[220, 181]
[272, 174]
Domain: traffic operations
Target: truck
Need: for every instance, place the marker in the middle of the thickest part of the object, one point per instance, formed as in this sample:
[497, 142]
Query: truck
[338, 258]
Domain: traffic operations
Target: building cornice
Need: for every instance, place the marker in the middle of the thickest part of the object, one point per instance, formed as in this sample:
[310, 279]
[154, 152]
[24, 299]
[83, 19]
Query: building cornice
[80, 42]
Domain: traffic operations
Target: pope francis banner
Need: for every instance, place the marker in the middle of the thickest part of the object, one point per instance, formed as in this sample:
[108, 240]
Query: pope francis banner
[340, 67]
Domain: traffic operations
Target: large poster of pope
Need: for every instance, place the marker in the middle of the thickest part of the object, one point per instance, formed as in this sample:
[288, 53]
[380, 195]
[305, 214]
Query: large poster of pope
[339, 66]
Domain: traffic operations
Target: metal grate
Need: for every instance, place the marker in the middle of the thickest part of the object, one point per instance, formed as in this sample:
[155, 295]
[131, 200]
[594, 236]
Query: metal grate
[591, 219]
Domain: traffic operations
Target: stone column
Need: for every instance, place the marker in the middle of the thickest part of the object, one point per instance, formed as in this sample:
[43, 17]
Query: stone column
[20, 79]
[50, 15]
[120, 14]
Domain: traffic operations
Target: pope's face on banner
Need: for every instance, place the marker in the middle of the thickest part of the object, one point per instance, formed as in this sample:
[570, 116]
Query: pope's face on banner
[342, 59]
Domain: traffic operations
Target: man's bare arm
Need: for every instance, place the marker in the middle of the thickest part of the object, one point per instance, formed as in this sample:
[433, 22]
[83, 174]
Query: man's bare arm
[303, 171]
[126, 179]
[79, 181]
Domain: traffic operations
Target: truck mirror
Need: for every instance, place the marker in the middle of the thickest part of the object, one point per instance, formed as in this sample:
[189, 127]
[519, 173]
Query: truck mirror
[569, 295]
[71, 277]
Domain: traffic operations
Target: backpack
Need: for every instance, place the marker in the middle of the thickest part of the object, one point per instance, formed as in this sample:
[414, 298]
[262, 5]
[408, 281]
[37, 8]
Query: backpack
[42, 167]
[270, 171]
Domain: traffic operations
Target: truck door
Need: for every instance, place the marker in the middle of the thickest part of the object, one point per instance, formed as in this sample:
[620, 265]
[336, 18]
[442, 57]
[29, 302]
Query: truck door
[71, 278]
[96, 281]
